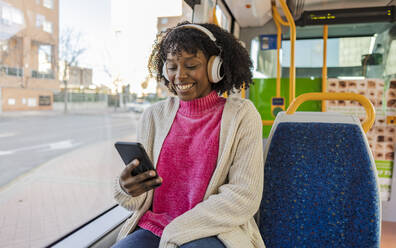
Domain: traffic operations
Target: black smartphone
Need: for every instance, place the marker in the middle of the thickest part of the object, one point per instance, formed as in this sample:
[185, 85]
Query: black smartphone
[131, 150]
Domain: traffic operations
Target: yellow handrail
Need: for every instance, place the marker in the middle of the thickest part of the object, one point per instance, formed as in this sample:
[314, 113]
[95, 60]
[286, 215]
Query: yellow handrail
[292, 25]
[278, 18]
[278, 44]
[324, 68]
[292, 69]
[368, 106]
[267, 122]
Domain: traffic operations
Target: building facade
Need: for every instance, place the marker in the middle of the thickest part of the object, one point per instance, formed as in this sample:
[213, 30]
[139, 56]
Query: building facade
[79, 77]
[29, 31]
[164, 23]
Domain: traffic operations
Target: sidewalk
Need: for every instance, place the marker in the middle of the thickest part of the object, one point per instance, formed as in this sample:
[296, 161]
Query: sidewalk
[108, 110]
[58, 196]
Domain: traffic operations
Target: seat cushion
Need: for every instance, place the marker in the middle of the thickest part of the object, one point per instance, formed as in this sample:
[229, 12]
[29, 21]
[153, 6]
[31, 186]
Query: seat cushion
[320, 188]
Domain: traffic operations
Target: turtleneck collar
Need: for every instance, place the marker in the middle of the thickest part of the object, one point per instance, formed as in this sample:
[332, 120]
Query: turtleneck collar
[199, 106]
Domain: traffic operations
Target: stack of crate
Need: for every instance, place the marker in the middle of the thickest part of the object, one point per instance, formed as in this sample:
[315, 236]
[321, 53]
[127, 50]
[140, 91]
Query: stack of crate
[382, 136]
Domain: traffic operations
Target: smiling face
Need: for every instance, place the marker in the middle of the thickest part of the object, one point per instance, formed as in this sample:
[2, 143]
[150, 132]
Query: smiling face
[188, 75]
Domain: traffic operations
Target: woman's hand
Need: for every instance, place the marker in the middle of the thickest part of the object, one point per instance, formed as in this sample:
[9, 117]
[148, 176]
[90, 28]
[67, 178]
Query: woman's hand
[137, 185]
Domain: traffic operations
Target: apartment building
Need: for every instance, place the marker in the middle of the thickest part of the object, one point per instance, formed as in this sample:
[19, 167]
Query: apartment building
[28, 54]
[164, 23]
[78, 77]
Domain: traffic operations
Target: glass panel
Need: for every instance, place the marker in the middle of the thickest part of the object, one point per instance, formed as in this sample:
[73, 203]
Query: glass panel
[223, 19]
[345, 57]
[390, 65]
[362, 65]
[73, 81]
[344, 52]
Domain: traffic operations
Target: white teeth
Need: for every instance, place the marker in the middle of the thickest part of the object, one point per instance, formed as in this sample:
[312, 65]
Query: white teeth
[184, 86]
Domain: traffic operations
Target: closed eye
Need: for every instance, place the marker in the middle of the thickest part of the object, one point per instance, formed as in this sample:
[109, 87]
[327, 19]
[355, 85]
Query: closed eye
[191, 67]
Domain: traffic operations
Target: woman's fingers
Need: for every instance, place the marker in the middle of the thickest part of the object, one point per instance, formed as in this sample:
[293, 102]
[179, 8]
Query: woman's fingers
[145, 186]
[127, 172]
[134, 180]
[137, 185]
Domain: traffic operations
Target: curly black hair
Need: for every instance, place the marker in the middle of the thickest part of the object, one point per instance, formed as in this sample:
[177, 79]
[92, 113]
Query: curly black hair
[236, 61]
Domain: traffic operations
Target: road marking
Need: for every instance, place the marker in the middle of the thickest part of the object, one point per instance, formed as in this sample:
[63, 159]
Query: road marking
[6, 152]
[64, 144]
[61, 145]
[4, 135]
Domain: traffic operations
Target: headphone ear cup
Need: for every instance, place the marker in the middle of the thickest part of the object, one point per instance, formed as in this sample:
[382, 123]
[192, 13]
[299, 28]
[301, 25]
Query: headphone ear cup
[214, 69]
[164, 72]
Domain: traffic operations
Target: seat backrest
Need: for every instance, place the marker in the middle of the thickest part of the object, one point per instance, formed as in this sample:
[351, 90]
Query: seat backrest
[320, 184]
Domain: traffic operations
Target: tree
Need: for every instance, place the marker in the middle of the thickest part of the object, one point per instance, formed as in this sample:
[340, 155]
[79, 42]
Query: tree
[70, 50]
[112, 71]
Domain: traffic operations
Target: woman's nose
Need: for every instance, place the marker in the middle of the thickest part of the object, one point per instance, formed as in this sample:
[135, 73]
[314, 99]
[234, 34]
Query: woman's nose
[181, 74]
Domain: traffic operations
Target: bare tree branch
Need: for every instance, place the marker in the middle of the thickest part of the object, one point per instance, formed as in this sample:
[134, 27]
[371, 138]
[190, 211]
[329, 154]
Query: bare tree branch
[70, 51]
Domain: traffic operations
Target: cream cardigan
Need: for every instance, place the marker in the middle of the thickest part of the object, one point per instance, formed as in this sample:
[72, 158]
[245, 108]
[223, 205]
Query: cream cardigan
[234, 192]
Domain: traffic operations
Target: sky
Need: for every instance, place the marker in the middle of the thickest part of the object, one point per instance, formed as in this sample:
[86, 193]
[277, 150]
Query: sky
[118, 35]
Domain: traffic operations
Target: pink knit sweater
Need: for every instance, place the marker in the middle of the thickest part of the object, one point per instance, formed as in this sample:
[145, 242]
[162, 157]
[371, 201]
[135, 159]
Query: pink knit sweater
[187, 160]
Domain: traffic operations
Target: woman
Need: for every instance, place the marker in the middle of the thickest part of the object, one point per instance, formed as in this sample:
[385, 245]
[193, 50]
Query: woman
[207, 150]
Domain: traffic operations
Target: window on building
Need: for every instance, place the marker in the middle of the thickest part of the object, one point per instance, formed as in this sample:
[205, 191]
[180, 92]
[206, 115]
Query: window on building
[45, 58]
[10, 15]
[32, 102]
[3, 46]
[47, 27]
[48, 4]
[17, 16]
[11, 101]
[40, 19]
[164, 20]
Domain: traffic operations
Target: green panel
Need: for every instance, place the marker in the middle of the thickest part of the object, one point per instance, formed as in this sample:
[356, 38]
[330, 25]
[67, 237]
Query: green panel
[264, 89]
[384, 168]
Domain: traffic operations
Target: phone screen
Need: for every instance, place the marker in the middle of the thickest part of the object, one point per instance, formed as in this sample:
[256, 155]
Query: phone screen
[131, 150]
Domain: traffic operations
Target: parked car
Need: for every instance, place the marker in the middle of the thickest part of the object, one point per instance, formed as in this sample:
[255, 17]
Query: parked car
[137, 107]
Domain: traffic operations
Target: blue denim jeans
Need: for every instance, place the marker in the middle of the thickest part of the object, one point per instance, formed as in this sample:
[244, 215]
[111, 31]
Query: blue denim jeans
[142, 238]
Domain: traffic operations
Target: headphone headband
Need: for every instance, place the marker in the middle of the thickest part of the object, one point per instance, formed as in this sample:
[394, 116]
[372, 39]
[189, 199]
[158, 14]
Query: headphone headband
[201, 28]
[214, 62]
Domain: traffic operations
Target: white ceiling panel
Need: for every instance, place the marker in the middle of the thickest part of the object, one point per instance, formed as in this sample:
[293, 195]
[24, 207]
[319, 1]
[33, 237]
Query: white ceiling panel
[253, 13]
[250, 13]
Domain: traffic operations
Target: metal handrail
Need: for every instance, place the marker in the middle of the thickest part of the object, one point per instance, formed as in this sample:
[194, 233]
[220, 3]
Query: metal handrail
[368, 106]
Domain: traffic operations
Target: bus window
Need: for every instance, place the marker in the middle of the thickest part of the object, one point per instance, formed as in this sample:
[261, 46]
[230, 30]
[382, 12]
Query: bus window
[343, 60]
[73, 81]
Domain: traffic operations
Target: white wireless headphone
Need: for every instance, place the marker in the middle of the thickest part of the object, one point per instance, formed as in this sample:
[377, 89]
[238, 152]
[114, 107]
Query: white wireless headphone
[214, 62]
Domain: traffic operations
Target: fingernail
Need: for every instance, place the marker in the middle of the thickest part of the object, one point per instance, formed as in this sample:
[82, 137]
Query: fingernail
[152, 173]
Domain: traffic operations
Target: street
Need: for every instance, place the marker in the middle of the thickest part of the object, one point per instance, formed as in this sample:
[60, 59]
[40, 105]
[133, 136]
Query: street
[29, 141]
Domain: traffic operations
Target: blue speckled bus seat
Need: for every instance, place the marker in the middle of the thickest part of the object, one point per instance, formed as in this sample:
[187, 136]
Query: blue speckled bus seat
[320, 188]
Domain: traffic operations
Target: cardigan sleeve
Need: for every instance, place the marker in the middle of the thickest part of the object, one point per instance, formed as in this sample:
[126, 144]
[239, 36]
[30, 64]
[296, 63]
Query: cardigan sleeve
[236, 201]
[125, 200]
